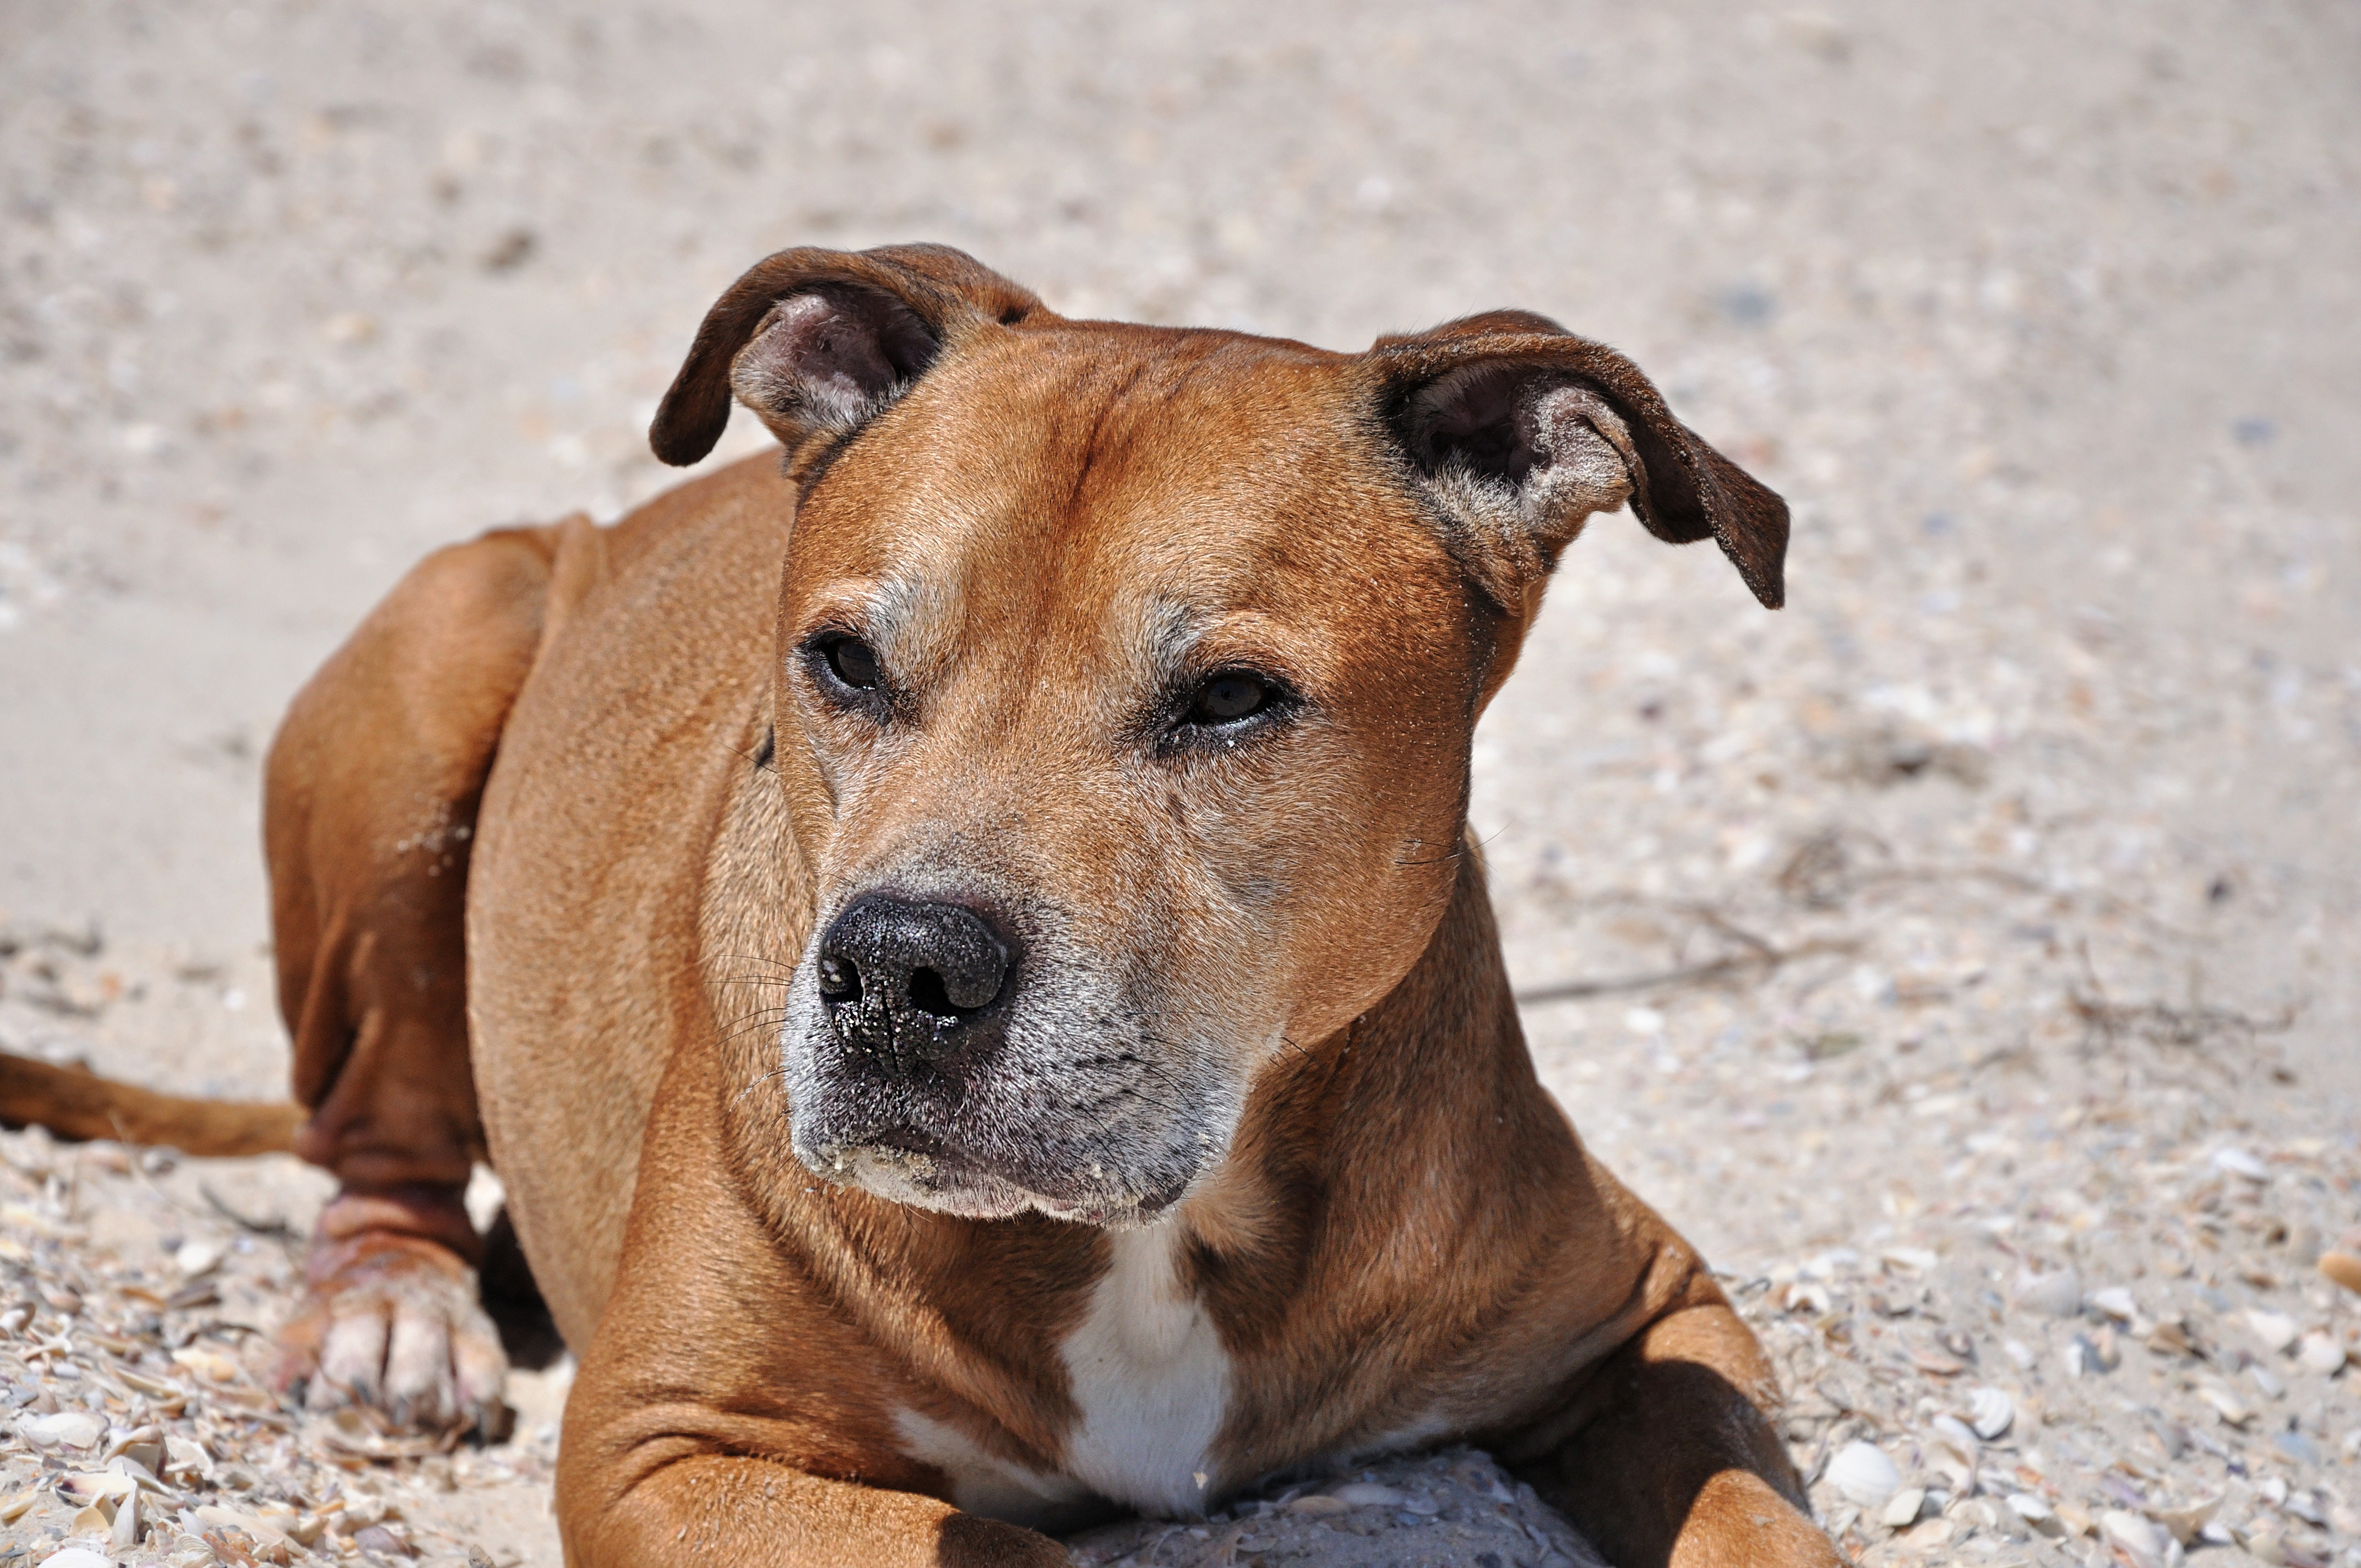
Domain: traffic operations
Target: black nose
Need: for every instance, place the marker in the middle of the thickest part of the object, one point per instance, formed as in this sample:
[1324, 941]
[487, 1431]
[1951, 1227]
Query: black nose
[908, 980]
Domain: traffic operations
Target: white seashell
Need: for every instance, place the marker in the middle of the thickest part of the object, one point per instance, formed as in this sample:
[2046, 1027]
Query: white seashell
[1862, 1476]
[77, 1557]
[2322, 1356]
[91, 1486]
[1366, 1495]
[67, 1429]
[2276, 1331]
[2142, 1542]
[187, 1454]
[1954, 1434]
[2238, 1162]
[2037, 1513]
[1991, 1413]
[196, 1258]
[1318, 1503]
[2188, 1523]
[2262, 1541]
[125, 1466]
[262, 1529]
[2058, 1294]
[2116, 1302]
[1901, 1510]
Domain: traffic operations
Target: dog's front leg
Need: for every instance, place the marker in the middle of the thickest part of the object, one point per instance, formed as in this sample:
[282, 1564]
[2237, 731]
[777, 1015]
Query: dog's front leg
[1673, 1459]
[655, 1492]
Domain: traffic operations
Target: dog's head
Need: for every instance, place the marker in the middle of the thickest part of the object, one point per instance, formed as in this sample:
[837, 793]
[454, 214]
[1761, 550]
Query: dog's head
[1125, 680]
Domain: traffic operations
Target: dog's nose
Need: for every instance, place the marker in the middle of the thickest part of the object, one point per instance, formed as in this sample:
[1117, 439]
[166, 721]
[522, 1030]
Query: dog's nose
[905, 979]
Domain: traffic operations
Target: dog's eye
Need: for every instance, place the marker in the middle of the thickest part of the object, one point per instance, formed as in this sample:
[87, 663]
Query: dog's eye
[1233, 695]
[852, 662]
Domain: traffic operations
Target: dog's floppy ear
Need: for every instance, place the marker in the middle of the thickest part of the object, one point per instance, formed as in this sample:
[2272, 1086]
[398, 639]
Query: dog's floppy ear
[1520, 431]
[817, 341]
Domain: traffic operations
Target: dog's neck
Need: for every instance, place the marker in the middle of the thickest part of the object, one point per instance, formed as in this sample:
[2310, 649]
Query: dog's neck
[1371, 1126]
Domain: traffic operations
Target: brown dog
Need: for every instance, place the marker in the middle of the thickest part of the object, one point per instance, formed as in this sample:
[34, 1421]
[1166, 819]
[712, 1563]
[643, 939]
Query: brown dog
[979, 987]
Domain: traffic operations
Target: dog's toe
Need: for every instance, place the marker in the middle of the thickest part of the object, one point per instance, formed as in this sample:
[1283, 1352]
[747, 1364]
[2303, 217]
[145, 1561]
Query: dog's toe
[351, 1356]
[418, 1365]
[394, 1323]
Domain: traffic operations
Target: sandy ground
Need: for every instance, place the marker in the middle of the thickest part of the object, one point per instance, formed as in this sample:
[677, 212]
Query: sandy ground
[1962, 956]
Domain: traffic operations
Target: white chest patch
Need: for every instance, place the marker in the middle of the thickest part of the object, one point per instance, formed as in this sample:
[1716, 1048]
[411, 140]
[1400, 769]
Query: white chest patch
[1148, 1373]
[1150, 1381]
[994, 1487]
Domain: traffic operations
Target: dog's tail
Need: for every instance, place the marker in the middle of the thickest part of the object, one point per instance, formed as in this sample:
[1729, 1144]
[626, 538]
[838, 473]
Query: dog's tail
[75, 1102]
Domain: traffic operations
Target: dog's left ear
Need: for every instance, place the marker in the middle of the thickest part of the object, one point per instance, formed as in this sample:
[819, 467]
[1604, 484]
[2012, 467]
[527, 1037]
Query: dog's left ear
[1519, 431]
[816, 342]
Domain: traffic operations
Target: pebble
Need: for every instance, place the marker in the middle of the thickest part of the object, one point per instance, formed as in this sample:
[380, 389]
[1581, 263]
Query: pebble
[2343, 1268]
[2232, 1410]
[2296, 1446]
[2058, 1294]
[382, 1541]
[1991, 1413]
[2274, 1331]
[1862, 1476]
[2322, 1356]
[1366, 1495]
[2085, 1354]
[194, 1259]
[2116, 1302]
[2238, 1162]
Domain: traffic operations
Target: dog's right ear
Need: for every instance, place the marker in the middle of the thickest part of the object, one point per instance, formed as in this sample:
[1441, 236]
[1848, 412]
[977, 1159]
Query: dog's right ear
[816, 342]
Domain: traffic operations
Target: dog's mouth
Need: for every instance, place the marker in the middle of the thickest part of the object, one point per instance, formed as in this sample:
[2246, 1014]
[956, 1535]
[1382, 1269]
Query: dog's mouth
[920, 1168]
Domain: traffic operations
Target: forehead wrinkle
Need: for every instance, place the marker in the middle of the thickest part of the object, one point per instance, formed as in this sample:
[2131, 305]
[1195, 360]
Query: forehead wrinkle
[915, 616]
[1140, 479]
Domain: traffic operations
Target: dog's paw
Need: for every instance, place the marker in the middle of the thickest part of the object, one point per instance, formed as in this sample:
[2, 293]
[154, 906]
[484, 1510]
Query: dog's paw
[392, 1321]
